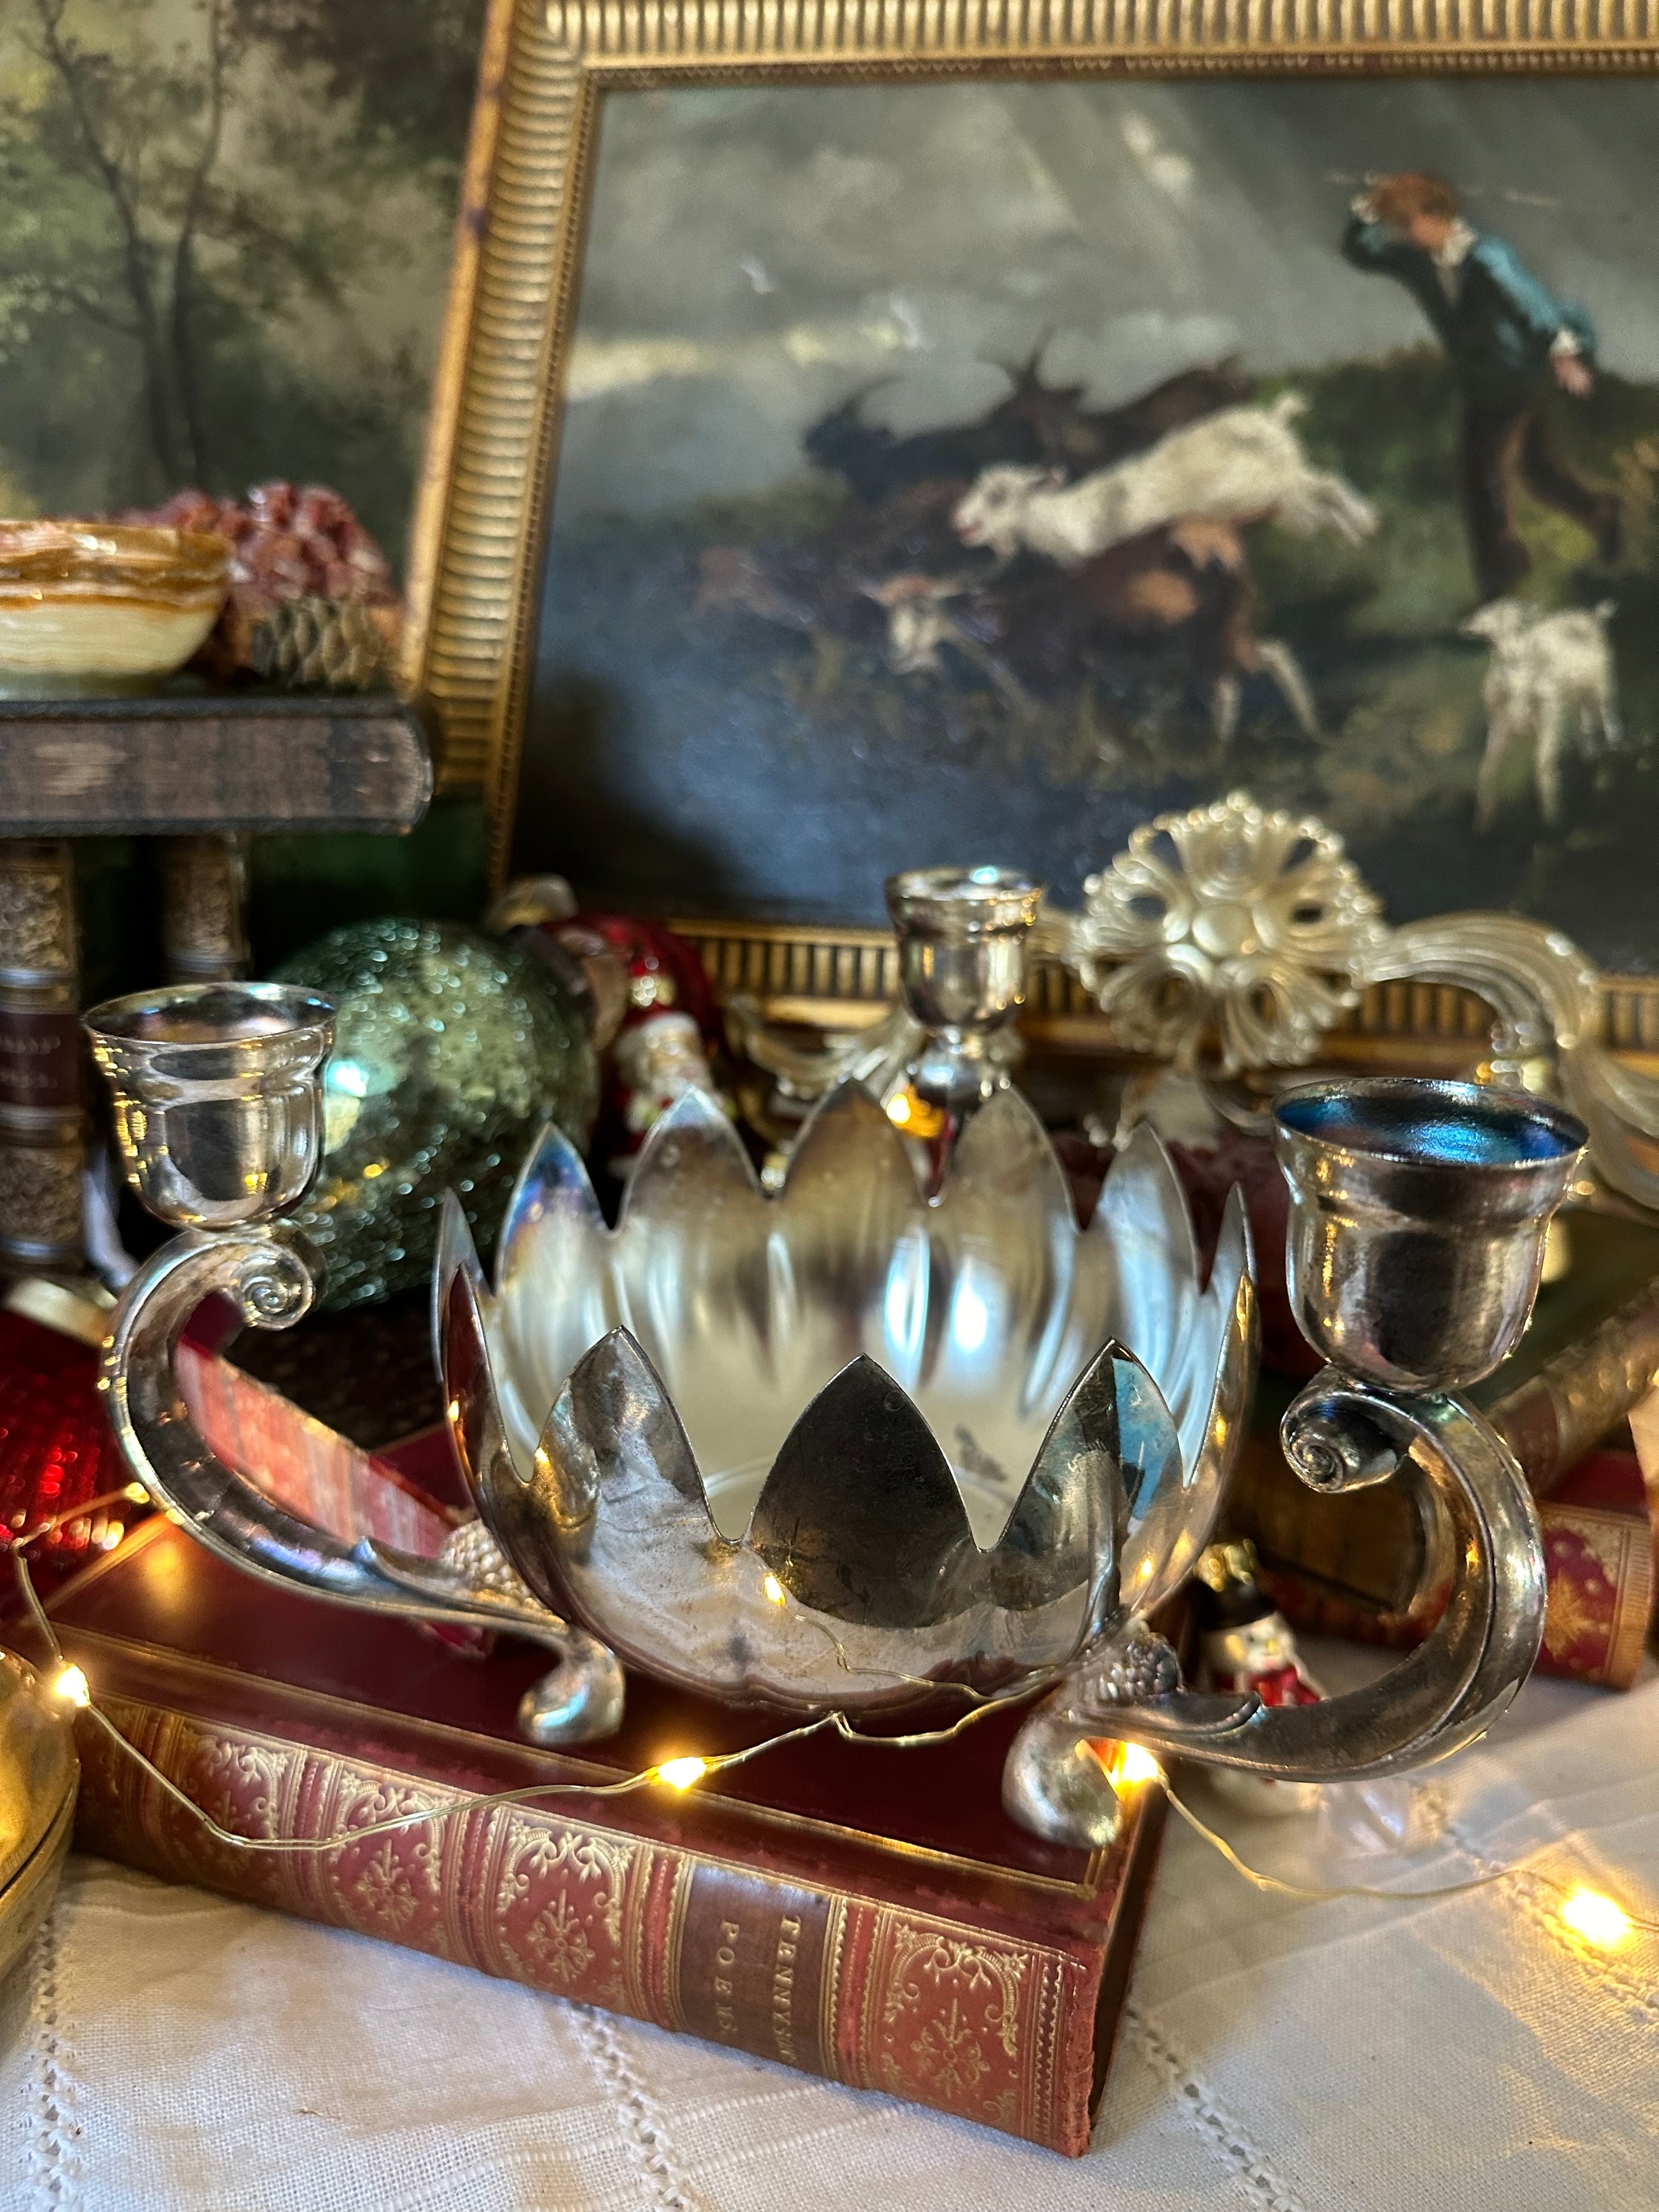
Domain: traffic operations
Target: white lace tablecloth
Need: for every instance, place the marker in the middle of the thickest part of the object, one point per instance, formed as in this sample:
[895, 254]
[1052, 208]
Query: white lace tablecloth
[167, 2052]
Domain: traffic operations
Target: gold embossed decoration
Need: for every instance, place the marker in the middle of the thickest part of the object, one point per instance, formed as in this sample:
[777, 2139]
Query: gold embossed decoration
[1229, 936]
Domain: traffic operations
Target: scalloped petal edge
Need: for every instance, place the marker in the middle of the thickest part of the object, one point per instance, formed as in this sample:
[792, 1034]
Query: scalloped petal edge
[694, 1115]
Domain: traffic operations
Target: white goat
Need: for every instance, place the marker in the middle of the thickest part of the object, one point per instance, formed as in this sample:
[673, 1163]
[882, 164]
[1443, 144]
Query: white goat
[1242, 465]
[1546, 671]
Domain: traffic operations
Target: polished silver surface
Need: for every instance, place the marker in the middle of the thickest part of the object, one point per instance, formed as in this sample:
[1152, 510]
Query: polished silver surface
[1226, 938]
[966, 936]
[1417, 1224]
[1448, 1692]
[1546, 998]
[842, 1447]
[1415, 1241]
[217, 1111]
[217, 1102]
[963, 942]
[836, 1447]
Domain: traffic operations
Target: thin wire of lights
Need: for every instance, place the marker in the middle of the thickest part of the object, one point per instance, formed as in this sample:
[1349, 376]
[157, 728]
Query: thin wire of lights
[1588, 1915]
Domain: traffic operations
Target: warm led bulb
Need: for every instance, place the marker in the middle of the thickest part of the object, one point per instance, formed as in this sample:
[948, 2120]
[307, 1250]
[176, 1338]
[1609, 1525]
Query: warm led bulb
[774, 1590]
[72, 1686]
[1596, 1918]
[1129, 1766]
[681, 1773]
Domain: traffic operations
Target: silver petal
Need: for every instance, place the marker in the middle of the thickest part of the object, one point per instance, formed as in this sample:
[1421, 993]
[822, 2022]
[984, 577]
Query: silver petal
[553, 1180]
[554, 1295]
[1154, 1493]
[1143, 1218]
[456, 1251]
[613, 1516]
[471, 1403]
[1062, 1536]
[689, 1264]
[859, 1518]
[692, 1156]
[847, 1254]
[1000, 1350]
[1215, 1382]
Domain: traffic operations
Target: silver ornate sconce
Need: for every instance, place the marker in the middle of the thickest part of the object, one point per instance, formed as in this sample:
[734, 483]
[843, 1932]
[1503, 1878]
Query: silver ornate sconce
[849, 1447]
[1236, 936]
[1232, 938]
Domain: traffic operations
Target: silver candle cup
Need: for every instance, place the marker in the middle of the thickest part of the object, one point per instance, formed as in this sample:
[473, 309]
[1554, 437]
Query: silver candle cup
[963, 941]
[218, 1111]
[1419, 1212]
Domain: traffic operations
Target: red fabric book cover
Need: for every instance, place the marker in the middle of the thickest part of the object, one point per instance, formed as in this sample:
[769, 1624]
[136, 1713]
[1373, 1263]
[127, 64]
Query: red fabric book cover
[866, 1914]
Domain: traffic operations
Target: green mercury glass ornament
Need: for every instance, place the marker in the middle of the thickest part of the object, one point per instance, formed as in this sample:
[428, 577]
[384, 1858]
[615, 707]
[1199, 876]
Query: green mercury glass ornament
[452, 1049]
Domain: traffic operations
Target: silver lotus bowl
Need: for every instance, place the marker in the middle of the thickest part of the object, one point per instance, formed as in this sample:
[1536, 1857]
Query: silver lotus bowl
[838, 1447]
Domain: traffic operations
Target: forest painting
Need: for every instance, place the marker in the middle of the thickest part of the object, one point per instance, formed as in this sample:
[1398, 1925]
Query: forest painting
[225, 229]
[966, 471]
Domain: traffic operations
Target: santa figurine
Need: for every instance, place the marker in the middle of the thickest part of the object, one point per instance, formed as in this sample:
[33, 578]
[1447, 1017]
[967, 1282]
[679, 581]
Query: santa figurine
[1245, 1644]
[654, 1020]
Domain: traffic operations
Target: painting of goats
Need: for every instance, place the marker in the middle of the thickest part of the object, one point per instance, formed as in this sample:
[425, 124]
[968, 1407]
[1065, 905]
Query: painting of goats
[969, 471]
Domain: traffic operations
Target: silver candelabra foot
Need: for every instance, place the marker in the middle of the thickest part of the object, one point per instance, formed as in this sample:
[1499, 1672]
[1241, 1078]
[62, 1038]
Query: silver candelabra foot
[218, 1113]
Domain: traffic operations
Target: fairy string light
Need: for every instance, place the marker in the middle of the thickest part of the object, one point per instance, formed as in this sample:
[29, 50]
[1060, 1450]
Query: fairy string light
[1594, 1919]
[1599, 1920]
[683, 1772]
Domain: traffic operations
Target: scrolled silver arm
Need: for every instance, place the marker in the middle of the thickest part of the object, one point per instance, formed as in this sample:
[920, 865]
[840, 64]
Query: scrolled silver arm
[1338, 1435]
[263, 1272]
[1469, 1667]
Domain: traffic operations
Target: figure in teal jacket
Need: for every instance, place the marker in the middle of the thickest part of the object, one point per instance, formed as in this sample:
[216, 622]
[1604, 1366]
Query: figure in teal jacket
[1511, 345]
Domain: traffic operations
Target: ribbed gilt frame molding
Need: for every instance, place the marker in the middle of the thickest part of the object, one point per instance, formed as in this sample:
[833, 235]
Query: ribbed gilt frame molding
[482, 512]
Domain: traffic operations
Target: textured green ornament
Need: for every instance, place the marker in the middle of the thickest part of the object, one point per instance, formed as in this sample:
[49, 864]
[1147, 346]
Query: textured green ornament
[452, 1049]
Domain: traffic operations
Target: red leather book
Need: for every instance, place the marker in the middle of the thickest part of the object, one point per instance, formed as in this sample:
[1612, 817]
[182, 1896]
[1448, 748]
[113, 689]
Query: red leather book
[868, 1914]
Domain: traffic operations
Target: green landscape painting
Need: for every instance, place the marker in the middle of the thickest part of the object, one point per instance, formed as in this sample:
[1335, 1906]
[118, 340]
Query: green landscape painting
[968, 472]
[225, 231]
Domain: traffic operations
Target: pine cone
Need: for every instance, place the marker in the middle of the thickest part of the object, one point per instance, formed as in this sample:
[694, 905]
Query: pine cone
[325, 645]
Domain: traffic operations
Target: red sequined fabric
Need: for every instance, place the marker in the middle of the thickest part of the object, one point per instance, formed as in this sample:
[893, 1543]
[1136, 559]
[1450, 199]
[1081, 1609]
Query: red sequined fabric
[57, 1449]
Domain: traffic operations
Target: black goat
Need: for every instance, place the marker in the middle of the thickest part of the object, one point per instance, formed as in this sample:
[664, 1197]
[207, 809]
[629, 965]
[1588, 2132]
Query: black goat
[1035, 423]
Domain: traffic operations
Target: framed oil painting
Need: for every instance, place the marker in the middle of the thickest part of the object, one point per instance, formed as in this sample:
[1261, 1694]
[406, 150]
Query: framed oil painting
[869, 437]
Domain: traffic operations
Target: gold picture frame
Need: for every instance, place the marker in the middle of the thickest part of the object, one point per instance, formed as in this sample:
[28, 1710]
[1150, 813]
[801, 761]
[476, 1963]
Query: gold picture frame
[483, 506]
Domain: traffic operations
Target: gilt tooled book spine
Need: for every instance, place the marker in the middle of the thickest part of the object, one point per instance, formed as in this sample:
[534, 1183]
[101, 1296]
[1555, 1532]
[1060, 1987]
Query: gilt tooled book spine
[863, 1992]
[861, 1941]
